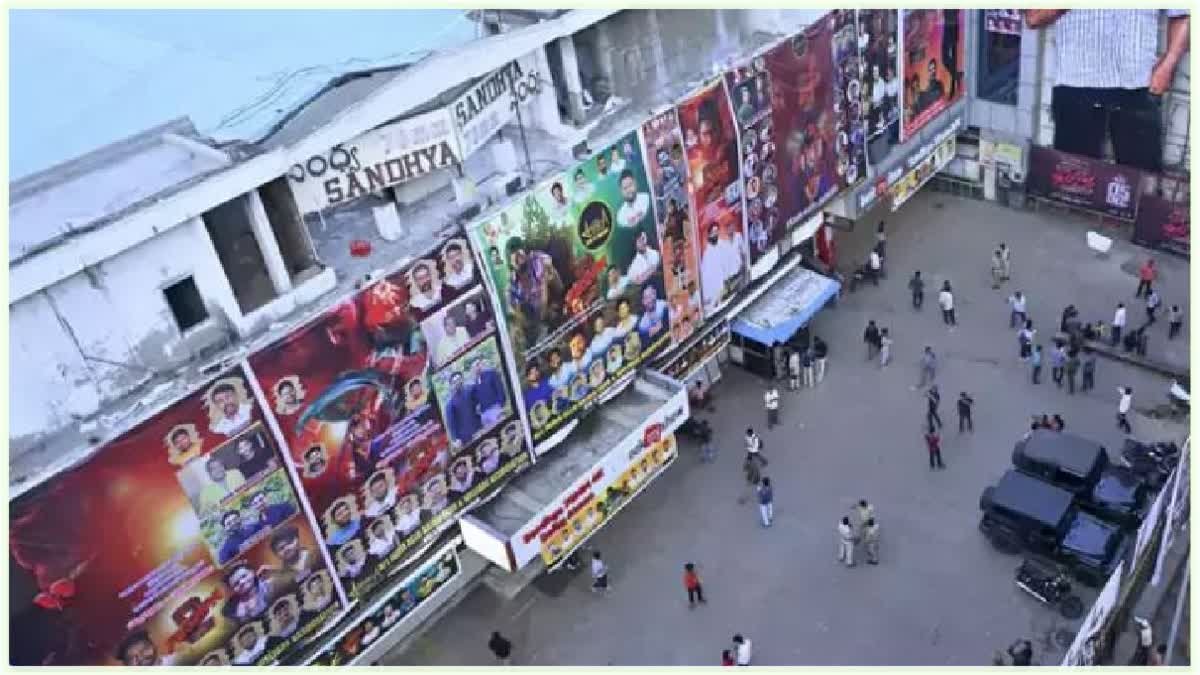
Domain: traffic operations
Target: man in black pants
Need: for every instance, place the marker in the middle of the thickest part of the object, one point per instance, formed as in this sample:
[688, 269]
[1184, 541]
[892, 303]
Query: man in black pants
[931, 414]
[965, 403]
[917, 285]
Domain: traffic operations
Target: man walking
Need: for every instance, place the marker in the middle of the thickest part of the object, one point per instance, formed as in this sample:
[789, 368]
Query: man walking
[1089, 370]
[1175, 321]
[1153, 302]
[934, 444]
[871, 337]
[1072, 370]
[997, 269]
[946, 300]
[885, 348]
[691, 583]
[1005, 262]
[599, 573]
[1036, 360]
[771, 402]
[865, 511]
[876, 264]
[928, 366]
[754, 446]
[501, 648]
[870, 536]
[794, 370]
[766, 501]
[916, 285]
[934, 400]
[820, 353]
[846, 542]
[1123, 407]
[1118, 324]
[1058, 360]
[806, 363]
[1146, 276]
[965, 403]
[1017, 316]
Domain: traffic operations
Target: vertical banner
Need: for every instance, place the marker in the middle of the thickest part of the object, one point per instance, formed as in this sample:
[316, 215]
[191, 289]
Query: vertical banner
[850, 143]
[182, 542]
[662, 143]
[715, 189]
[750, 87]
[578, 284]
[933, 66]
[809, 107]
[397, 412]
[877, 43]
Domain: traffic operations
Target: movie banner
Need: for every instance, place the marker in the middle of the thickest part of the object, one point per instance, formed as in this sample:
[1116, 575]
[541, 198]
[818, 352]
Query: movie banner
[750, 87]
[877, 46]
[1163, 224]
[396, 409]
[808, 104]
[182, 542]
[715, 190]
[662, 146]
[850, 142]
[577, 275]
[1003, 21]
[1083, 182]
[401, 603]
[933, 65]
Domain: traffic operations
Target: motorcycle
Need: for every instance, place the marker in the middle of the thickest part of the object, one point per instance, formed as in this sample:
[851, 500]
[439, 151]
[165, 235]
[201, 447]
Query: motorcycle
[1050, 586]
[1152, 461]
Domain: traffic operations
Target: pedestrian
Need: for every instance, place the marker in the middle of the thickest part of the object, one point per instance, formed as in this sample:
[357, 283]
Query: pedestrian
[766, 502]
[933, 443]
[865, 511]
[1058, 424]
[928, 366]
[1089, 370]
[820, 353]
[1044, 423]
[1058, 361]
[691, 583]
[727, 657]
[1146, 276]
[871, 337]
[885, 348]
[771, 403]
[501, 648]
[875, 262]
[1025, 338]
[916, 285]
[708, 450]
[1072, 370]
[1005, 262]
[1153, 302]
[1021, 652]
[1017, 304]
[742, 649]
[1175, 321]
[1118, 324]
[779, 354]
[599, 573]
[965, 403]
[806, 363]
[754, 446]
[1069, 312]
[934, 401]
[881, 240]
[870, 538]
[997, 269]
[946, 300]
[846, 542]
[1036, 360]
[1123, 407]
[794, 370]
[752, 469]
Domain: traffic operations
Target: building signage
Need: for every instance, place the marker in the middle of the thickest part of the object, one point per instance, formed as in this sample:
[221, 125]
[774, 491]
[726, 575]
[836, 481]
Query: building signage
[907, 186]
[1083, 182]
[491, 103]
[868, 195]
[1163, 224]
[1003, 21]
[702, 350]
[388, 156]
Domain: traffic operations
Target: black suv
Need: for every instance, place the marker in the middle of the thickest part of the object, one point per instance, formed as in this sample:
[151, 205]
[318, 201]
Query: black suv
[1024, 513]
[1082, 467]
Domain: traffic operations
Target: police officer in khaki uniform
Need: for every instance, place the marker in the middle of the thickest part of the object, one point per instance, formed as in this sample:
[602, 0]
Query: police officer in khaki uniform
[870, 537]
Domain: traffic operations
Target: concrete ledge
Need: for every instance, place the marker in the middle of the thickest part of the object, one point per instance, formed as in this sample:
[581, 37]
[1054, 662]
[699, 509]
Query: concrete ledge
[1119, 354]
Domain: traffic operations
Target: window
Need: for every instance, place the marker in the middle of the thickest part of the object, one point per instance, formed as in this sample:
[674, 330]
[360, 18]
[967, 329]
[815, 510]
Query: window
[186, 304]
[999, 55]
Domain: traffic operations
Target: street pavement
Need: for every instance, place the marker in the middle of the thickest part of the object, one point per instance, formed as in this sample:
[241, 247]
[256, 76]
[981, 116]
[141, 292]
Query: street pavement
[941, 595]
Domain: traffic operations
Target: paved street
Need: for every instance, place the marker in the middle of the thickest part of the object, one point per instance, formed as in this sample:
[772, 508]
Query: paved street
[941, 596]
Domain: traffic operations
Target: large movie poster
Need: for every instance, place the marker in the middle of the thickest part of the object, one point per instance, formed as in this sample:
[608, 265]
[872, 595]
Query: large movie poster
[877, 44]
[934, 64]
[850, 143]
[750, 87]
[715, 189]
[662, 143]
[1163, 224]
[180, 543]
[397, 411]
[1083, 182]
[805, 98]
[578, 278]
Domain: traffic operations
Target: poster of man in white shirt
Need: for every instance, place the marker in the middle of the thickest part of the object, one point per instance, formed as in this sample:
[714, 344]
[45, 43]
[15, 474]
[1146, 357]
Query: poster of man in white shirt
[722, 263]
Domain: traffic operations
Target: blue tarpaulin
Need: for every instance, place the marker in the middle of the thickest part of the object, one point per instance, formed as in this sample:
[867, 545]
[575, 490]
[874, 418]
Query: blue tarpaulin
[784, 309]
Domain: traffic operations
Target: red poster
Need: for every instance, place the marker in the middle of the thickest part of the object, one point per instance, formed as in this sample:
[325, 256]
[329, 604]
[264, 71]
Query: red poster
[397, 412]
[1163, 224]
[933, 64]
[180, 543]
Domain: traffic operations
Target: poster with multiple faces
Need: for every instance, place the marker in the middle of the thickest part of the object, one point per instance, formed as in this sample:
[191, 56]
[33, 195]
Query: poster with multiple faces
[933, 64]
[576, 267]
[878, 46]
[666, 163]
[397, 412]
[850, 143]
[715, 191]
[182, 542]
[750, 87]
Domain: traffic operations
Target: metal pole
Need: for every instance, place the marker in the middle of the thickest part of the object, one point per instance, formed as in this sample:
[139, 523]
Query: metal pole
[1179, 603]
[524, 144]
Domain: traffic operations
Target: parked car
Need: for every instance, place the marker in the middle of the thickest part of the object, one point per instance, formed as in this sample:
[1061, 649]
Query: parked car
[1023, 513]
[1082, 467]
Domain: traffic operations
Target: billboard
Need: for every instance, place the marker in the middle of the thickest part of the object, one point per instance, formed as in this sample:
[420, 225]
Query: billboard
[182, 542]
[715, 191]
[933, 66]
[397, 411]
[1163, 224]
[750, 87]
[662, 146]
[1083, 182]
[578, 284]
[878, 48]
[850, 143]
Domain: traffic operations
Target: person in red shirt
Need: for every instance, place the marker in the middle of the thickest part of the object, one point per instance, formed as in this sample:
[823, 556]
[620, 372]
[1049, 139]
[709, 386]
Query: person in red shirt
[726, 658]
[691, 582]
[934, 443]
[1146, 276]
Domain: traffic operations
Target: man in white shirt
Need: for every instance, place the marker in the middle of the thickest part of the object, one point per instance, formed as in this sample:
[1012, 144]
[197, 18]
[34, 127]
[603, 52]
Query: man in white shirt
[636, 204]
[771, 401]
[1118, 323]
[794, 370]
[720, 263]
[599, 574]
[846, 542]
[743, 649]
[380, 493]
[876, 265]
[454, 338]
[1123, 408]
[645, 260]
[753, 446]
[1017, 302]
[460, 272]
[946, 301]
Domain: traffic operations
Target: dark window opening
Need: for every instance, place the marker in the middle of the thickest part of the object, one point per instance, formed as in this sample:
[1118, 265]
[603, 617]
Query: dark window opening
[186, 304]
[232, 236]
[999, 57]
[295, 244]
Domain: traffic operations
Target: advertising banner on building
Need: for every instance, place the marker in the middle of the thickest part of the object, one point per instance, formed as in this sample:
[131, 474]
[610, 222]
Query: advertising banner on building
[1004, 21]
[933, 66]
[850, 143]
[662, 146]
[182, 542]
[704, 349]
[387, 615]
[1083, 182]
[1082, 651]
[750, 87]
[578, 283]
[715, 189]
[395, 406]
[598, 494]
[1163, 224]
[926, 169]
[387, 156]
[492, 102]
[878, 48]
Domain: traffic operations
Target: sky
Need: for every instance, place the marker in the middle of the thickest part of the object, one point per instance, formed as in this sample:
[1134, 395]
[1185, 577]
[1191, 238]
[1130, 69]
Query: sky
[80, 79]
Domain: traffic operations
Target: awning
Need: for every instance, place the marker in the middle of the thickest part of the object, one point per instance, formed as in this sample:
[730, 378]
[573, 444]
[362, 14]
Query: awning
[784, 309]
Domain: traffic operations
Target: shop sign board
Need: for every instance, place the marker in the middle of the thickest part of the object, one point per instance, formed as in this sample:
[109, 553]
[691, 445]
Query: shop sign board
[1084, 182]
[926, 169]
[492, 102]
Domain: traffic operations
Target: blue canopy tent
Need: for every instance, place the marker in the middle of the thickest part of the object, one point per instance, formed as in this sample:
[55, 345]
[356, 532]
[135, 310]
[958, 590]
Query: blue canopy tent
[786, 308]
